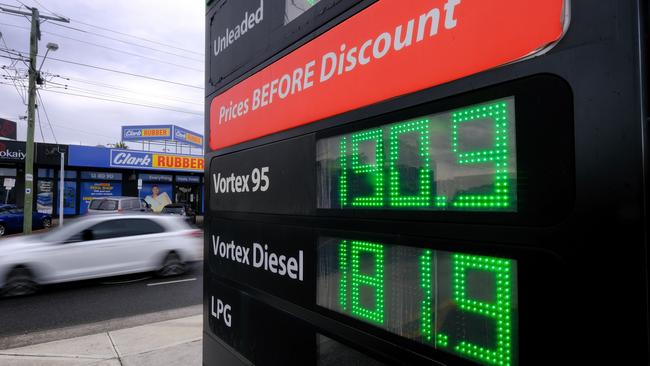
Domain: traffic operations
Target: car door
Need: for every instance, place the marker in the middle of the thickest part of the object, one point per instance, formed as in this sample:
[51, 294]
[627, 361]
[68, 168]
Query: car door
[16, 219]
[145, 244]
[94, 251]
[122, 245]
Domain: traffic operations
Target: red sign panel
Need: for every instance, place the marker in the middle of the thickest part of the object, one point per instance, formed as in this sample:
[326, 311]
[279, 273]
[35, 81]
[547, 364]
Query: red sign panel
[7, 129]
[391, 48]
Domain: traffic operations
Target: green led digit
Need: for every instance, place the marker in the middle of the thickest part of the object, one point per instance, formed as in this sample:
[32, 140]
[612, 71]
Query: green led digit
[500, 311]
[343, 268]
[343, 182]
[375, 281]
[423, 197]
[427, 295]
[497, 154]
[374, 170]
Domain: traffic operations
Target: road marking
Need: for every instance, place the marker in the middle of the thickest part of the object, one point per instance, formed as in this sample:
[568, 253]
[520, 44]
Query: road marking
[168, 282]
[125, 281]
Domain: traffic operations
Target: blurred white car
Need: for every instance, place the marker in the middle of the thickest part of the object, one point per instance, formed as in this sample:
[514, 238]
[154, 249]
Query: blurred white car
[98, 246]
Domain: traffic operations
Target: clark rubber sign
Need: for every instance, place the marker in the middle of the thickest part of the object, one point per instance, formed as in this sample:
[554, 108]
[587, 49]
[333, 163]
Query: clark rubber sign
[100, 157]
[150, 160]
[391, 48]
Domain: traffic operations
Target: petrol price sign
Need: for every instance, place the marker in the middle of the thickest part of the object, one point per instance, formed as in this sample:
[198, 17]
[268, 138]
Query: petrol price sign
[426, 182]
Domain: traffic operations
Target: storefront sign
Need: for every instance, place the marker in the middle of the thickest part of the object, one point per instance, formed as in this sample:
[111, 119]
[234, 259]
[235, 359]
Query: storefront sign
[389, 49]
[183, 135]
[9, 183]
[7, 129]
[44, 196]
[101, 176]
[187, 179]
[12, 151]
[143, 133]
[90, 190]
[115, 158]
[155, 178]
[161, 132]
[49, 153]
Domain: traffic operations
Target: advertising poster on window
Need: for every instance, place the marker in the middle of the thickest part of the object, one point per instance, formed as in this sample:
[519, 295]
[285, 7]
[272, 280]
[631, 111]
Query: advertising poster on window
[69, 198]
[158, 195]
[90, 190]
[44, 196]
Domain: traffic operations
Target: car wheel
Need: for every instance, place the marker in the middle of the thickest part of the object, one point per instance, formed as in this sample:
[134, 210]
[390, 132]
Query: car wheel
[2, 229]
[20, 282]
[172, 266]
[47, 223]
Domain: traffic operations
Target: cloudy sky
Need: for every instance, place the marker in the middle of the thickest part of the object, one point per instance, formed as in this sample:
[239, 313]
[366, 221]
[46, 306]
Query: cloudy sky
[157, 39]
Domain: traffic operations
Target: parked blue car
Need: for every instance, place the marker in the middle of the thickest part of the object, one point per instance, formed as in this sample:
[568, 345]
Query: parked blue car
[11, 219]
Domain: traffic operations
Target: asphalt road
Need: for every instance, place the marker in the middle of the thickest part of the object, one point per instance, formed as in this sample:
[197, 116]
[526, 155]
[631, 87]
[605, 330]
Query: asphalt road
[84, 302]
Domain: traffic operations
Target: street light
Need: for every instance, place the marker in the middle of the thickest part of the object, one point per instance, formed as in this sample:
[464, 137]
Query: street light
[34, 37]
[53, 47]
[50, 47]
[36, 79]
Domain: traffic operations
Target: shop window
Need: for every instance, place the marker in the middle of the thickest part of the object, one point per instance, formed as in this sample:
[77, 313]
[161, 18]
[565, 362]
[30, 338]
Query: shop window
[45, 173]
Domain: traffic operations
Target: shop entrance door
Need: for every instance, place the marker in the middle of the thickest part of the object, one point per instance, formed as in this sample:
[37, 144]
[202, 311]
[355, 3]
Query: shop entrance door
[190, 194]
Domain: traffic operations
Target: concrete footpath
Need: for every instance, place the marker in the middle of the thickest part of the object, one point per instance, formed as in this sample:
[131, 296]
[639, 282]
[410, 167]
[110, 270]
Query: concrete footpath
[171, 342]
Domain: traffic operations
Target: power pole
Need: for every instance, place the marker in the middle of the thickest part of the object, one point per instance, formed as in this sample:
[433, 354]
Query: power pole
[34, 37]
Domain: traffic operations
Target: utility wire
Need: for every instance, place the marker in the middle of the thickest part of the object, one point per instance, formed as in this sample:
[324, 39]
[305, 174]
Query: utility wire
[15, 85]
[121, 33]
[120, 72]
[40, 126]
[123, 102]
[123, 72]
[44, 7]
[12, 58]
[46, 116]
[108, 48]
[73, 87]
[125, 42]
[7, 72]
[109, 86]
[137, 37]
[108, 95]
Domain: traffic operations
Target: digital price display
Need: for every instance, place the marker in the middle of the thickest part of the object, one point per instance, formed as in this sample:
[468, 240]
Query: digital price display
[463, 304]
[464, 159]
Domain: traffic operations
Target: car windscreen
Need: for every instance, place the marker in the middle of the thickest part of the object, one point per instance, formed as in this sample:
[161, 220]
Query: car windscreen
[104, 205]
[173, 210]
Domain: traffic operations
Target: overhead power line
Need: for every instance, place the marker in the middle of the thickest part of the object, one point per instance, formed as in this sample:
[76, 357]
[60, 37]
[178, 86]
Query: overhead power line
[124, 73]
[108, 48]
[21, 91]
[125, 42]
[40, 124]
[122, 33]
[46, 116]
[60, 86]
[123, 102]
[13, 81]
[137, 37]
[121, 72]
[128, 97]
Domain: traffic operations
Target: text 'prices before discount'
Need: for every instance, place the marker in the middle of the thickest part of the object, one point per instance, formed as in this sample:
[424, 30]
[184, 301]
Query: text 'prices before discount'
[383, 52]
